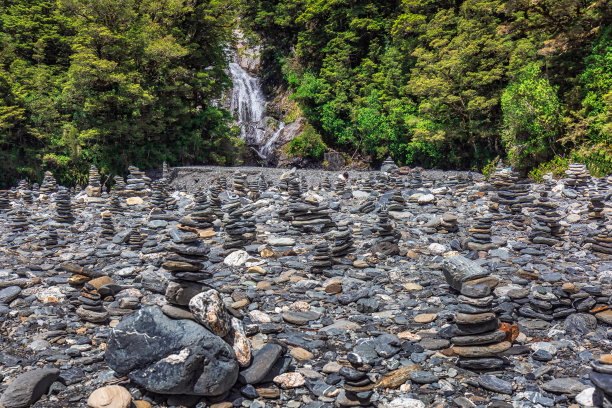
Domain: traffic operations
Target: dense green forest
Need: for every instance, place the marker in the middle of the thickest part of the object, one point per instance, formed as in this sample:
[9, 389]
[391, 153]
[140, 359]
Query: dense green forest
[450, 84]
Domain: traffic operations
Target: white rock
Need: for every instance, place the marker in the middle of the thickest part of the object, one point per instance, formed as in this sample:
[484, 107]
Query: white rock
[403, 402]
[282, 241]
[134, 201]
[290, 380]
[585, 398]
[236, 258]
[572, 218]
[260, 317]
[426, 199]
[436, 249]
[544, 345]
[360, 195]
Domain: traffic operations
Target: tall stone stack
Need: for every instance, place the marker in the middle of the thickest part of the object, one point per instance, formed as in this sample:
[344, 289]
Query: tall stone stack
[241, 230]
[108, 229]
[385, 230]
[5, 202]
[294, 197]
[343, 242]
[136, 185]
[201, 216]
[215, 200]
[476, 338]
[480, 234]
[513, 195]
[322, 258]
[262, 184]
[158, 201]
[577, 177]
[90, 306]
[63, 208]
[340, 186]
[186, 259]
[165, 171]
[303, 185]
[601, 377]
[94, 189]
[546, 229]
[119, 187]
[240, 184]
[382, 182]
[19, 220]
[601, 242]
[253, 193]
[49, 185]
[115, 203]
[396, 202]
[136, 238]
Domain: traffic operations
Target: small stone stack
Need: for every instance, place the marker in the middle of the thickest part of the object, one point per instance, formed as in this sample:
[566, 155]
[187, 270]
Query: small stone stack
[577, 177]
[240, 228]
[601, 377]
[480, 234]
[115, 204]
[357, 387]
[547, 230]
[448, 224]
[343, 242]
[596, 207]
[240, 184]
[19, 220]
[165, 171]
[388, 165]
[513, 195]
[396, 202]
[215, 201]
[158, 201]
[136, 238]
[51, 238]
[476, 338]
[5, 202]
[340, 186]
[94, 189]
[369, 184]
[310, 216]
[548, 304]
[367, 206]
[49, 185]
[63, 207]
[416, 181]
[136, 183]
[294, 199]
[119, 184]
[385, 230]
[303, 185]
[201, 215]
[90, 307]
[186, 263]
[326, 184]
[262, 184]
[322, 258]
[382, 182]
[253, 193]
[108, 229]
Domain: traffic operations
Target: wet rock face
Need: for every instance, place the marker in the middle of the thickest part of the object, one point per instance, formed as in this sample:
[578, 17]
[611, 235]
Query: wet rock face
[171, 356]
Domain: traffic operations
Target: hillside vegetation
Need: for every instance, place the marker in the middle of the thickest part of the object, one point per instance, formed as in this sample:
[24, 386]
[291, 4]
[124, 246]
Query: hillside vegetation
[450, 84]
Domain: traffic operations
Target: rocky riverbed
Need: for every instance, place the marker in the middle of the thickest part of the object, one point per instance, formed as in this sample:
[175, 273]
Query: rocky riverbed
[247, 288]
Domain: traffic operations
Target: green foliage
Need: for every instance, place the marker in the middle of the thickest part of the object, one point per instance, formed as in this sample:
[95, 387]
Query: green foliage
[557, 166]
[532, 118]
[309, 144]
[112, 83]
[489, 168]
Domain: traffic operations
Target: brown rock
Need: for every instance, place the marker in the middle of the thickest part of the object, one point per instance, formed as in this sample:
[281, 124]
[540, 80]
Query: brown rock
[605, 359]
[396, 378]
[301, 354]
[142, 404]
[333, 286]
[425, 317]
[268, 392]
[411, 254]
[207, 233]
[256, 269]
[222, 405]
[360, 264]
[112, 396]
[482, 351]
[101, 281]
[78, 279]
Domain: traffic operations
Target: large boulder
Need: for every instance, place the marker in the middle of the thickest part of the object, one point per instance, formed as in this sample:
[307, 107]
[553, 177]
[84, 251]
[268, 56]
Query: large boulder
[168, 356]
[459, 270]
[28, 387]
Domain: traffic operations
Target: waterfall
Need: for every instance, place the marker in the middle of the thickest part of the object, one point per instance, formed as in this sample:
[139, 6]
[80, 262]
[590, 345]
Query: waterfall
[248, 105]
[267, 149]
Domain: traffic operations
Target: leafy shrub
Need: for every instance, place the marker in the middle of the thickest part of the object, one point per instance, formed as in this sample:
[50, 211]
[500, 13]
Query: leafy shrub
[489, 168]
[556, 166]
[309, 144]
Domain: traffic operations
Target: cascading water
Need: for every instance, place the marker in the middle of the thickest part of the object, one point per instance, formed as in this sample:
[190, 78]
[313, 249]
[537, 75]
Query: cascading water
[268, 148]
[248, 105]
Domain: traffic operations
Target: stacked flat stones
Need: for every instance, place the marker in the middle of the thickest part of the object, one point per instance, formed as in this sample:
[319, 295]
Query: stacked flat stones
[186, 263]
[396, 202]
[94, 189]
[552, 303]
[119, 184]
[49, 185]
[115, 203]
[136, 238]
[326, 184]
[63, 207]
[253, 193]
[108, 229]
[367, 206]
[601, 242]
[240, 184]
[386, 232]
[51, 238]
[310, 216]
[477, 338]
[547, 229]
[343, 242]
[262, 184]
[448, 224]
[357, 387]
[201, 215]
[19, 220]
[601, 377]
[513, 195]
[136, 183]
[322, 258]
[340, 186]
[241, 230]
[480, 234]
[5, 202]
[577, 177]
[90, 307]
[158, 201]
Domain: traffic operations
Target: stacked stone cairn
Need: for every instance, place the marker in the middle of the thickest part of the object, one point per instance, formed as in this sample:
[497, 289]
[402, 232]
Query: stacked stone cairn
[322, 258]
[367, 206]
[241, 229]
[136, 185]
[396, 202]
[340, 186]
[240, 184]
[480, 234]
[51, 238]
[94, 189]
[369, 184]
[63, 207]
[547, 229]
[303, 185]
[108, 229]
[119, 184]
[201, 216]
[601, 242]
[5, 202]
[448, 224]
[294, 197]
[19, 220]
[326, 184]
[115, 203]
[136, 238]
[552, 303]
[215, 201]
[186, 263]
[343, 242]
[89, 305]
[49, 185]
[577, 177]
[601, 377]
[513, 195]
[262, 184]
[253, 193]
[165, 171]
[158, 201]
[476, 336]
[385, 230]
